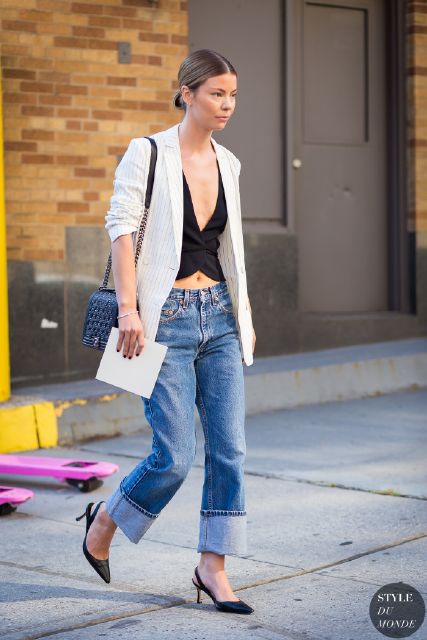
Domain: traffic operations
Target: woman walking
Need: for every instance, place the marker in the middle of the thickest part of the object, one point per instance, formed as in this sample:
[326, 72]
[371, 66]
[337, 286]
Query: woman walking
[192, 293]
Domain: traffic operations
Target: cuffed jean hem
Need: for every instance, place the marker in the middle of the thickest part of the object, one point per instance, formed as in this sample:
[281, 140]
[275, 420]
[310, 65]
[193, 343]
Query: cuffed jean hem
[222, 532]
[132, 519]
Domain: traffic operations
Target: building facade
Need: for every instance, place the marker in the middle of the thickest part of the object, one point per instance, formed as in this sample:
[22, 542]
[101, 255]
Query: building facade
[330, 127]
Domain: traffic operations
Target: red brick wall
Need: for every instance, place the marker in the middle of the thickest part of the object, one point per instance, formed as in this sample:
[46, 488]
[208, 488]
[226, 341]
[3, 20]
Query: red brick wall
[417, 115]
[70, 107]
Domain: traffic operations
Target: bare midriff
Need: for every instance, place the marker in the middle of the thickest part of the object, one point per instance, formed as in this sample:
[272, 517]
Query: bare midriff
[197, 280]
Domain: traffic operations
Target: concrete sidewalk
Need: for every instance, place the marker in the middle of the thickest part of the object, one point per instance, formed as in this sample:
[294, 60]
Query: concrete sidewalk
[336, 501]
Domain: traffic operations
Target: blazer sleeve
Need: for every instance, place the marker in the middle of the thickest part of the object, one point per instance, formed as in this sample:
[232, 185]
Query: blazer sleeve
[130, 182]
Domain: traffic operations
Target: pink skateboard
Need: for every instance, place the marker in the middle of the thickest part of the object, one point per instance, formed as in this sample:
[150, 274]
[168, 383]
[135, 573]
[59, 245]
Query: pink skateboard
[10, 497]
[83, 474]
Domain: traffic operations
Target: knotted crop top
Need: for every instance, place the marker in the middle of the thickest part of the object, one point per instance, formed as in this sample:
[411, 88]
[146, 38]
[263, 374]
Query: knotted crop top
[200, 247]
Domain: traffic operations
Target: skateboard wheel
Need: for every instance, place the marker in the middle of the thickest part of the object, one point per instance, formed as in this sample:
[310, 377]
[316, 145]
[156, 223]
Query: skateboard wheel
[85, 486]
[6, 508]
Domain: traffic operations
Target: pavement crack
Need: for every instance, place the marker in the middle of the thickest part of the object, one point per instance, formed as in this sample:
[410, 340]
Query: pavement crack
[360, 581]
[61, 574]
[185, 601]
[333, 485]
[274, 476]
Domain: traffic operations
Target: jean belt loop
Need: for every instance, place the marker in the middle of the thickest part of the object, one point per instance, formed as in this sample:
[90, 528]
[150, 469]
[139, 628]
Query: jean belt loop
[186, 298]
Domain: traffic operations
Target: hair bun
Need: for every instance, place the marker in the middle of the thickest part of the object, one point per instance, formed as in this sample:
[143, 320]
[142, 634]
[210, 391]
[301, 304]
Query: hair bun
[178, 101]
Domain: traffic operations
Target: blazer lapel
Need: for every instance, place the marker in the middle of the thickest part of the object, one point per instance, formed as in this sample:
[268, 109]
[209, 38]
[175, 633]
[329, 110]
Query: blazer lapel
[230, 198]
[175, 180]
[176, 186]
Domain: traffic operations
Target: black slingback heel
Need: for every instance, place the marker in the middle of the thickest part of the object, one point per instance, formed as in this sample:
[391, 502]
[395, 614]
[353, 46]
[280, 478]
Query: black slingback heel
[230, 606]
[102, 567]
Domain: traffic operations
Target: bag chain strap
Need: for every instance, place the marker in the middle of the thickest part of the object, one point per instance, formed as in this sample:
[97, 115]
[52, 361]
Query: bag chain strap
[141, 232]
[143, 223]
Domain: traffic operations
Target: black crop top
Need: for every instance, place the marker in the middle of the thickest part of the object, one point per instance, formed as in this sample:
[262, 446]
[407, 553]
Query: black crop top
[200, 248]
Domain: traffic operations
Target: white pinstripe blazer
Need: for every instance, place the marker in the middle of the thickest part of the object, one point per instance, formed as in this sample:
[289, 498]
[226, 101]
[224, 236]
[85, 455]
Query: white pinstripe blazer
[160, 255]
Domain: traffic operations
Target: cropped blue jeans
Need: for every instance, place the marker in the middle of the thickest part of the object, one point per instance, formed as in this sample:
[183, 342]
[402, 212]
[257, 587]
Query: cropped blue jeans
[203, 366]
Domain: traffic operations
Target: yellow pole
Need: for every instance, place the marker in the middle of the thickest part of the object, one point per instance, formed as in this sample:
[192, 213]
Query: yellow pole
[4, 310]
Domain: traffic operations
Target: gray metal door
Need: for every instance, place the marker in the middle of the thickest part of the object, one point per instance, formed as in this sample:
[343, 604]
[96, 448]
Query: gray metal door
[339, 163]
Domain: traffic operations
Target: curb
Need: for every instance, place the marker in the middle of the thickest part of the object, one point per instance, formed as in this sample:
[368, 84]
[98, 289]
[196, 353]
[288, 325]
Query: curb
[332, 375]
[29, 426]
[74, 412]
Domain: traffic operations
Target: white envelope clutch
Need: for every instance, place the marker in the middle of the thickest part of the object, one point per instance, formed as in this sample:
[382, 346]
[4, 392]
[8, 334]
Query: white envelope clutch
[137, 374]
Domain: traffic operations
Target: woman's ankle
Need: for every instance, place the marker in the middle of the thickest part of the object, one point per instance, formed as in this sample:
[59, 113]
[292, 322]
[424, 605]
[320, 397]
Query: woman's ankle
[104, 518]
[211, 562]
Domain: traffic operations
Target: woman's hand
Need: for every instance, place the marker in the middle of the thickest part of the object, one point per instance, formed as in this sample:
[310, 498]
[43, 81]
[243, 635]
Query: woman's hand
[131, 335]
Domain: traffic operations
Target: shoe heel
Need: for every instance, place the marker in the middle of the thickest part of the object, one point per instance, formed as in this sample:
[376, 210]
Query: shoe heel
[89, 517]
[198, 590]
